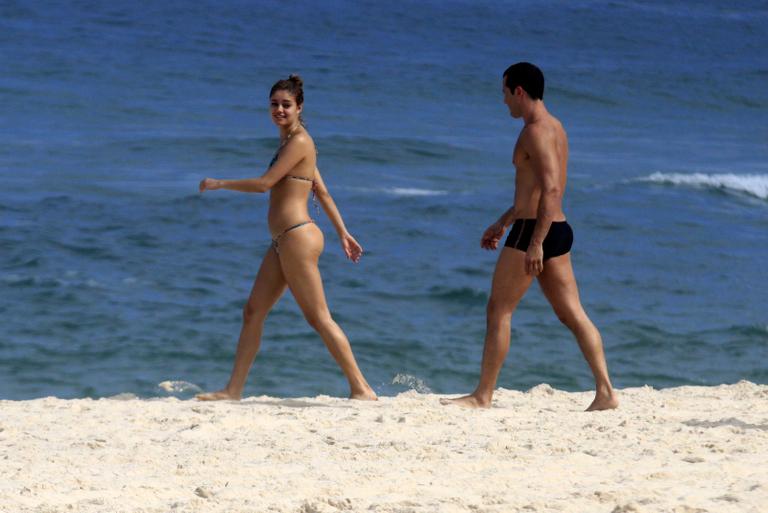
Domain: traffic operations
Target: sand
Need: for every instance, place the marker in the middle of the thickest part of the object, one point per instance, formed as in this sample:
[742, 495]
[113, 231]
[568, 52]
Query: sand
[687, 449]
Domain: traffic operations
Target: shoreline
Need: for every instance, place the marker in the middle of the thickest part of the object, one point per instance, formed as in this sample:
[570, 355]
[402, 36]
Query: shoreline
[684, 449]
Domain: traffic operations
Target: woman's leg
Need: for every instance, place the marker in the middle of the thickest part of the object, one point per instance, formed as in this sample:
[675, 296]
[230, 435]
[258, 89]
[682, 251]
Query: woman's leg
[300, 251]
[267, 289]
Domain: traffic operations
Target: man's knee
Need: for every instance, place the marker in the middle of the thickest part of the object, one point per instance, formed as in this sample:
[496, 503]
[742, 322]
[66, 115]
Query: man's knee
[498, 309]
[252, 312]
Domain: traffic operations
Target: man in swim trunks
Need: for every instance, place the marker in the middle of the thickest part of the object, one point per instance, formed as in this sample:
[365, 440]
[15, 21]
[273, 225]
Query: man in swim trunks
[539, 243]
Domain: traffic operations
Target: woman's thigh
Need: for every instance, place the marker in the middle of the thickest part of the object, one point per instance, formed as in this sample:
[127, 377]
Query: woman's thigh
[300, 251]
[268, 286]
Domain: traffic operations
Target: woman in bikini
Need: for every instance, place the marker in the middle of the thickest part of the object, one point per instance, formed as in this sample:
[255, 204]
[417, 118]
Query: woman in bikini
[297, 243]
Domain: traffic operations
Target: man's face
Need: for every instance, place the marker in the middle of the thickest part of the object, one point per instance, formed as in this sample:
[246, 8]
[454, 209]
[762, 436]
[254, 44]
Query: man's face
[511, 100]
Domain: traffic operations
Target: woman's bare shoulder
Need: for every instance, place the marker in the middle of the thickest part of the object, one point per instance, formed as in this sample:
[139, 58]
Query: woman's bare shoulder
[302, 141]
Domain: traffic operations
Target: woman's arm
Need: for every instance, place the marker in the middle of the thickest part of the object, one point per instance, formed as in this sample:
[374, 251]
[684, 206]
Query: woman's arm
[289, 157]
[351, 247]
[329, 206]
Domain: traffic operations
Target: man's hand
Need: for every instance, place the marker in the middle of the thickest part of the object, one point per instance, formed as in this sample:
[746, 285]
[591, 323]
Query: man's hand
[492, 236]
[534, 259]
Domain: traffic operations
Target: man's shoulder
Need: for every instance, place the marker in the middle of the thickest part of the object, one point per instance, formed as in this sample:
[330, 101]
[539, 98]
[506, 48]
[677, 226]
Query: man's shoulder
[543, 131]
[535, 134]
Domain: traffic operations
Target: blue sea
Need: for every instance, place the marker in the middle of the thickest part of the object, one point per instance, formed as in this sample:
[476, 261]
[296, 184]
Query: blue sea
[117, 277]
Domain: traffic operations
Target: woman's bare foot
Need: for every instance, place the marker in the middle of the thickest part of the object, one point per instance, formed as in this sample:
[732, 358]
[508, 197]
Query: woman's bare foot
[364, 395]
[604, 401]
[221, 395]
[468, 401]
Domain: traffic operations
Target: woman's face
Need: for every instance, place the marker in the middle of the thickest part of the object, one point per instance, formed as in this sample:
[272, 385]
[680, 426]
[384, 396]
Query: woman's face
[283, 108]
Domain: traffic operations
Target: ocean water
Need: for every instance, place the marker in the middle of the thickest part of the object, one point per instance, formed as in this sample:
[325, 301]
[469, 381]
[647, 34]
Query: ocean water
[116, 277]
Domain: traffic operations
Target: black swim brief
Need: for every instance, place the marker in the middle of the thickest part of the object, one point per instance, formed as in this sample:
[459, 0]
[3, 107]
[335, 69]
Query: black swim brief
[557, 242]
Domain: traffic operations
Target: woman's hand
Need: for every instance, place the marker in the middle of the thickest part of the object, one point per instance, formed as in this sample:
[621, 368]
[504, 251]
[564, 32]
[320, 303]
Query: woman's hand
[351, 247]
[492, 236]
[209, 184]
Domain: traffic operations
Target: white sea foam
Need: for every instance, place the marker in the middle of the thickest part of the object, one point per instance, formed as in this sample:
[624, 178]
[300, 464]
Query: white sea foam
[410, 191]
[396, 191]
[411, 382]
[754, 185]
[175, 387]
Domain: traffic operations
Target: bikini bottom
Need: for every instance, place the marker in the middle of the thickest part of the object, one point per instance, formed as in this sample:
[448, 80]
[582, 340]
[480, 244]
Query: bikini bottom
[276, 240]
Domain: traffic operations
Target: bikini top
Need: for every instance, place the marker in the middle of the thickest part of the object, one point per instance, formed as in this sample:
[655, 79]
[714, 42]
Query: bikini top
[294, 177]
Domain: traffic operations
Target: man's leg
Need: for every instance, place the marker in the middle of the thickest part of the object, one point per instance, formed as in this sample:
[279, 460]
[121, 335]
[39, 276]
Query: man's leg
[559, 286]
[509, 285]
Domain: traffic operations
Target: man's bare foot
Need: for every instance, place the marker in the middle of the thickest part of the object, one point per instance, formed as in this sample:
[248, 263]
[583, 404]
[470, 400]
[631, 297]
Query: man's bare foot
[604, 402]
[221, 395]
[468, 401]
[365, 395]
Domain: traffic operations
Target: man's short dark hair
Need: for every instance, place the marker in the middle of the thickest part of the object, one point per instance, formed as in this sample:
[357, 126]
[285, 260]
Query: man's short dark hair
[527, 76]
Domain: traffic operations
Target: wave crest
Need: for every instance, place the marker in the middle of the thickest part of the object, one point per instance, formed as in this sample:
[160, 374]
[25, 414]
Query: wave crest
[413, 191]
[398, 191]
[753, 185]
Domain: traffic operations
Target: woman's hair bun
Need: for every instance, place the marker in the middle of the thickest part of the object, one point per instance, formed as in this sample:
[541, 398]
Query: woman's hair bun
[296, 80]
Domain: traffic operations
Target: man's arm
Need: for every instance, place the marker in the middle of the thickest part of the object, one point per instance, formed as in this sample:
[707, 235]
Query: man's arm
[508, 217]
[546, 168]
[493, 234]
